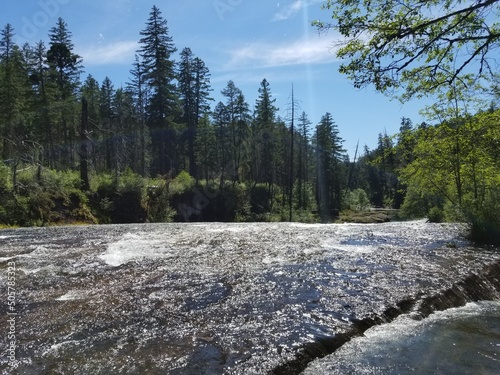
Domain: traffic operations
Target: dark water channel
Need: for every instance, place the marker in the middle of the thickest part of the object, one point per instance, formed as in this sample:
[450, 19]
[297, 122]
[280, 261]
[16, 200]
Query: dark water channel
[224, 298]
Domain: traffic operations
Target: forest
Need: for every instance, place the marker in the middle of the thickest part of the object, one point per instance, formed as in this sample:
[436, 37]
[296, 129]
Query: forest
[160, 149]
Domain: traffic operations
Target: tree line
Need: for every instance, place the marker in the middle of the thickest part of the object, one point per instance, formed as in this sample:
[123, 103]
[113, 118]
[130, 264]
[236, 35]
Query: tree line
[161, 124]
[160, 149]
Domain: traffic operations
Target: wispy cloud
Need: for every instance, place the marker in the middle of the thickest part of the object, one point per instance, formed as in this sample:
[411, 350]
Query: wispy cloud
[265, 55]
[293, 8]
[109, 53]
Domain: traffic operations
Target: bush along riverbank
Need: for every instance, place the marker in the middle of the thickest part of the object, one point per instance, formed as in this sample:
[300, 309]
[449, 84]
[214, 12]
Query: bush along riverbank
[44, 197]
[47, 197]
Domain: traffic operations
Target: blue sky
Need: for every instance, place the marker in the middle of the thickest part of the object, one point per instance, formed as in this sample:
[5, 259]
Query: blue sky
[240, 40]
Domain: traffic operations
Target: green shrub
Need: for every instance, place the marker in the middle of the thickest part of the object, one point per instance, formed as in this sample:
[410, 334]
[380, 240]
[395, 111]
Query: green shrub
[260, 200]
[4, 177]
[105, 185]
[59, 181]
[417, 205]
[4, 215]
[484, 221]
[183, 183]
[485, 229]
[357, 200]
[228, 204]
[20, 211]
[129, 200]
[131, 182]
[435, 215]
[158, 202]
[103, 188]
[41, 204]
[103, 210]
[453, 213]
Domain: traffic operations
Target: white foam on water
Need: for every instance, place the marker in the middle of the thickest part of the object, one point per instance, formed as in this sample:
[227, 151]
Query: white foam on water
[395, 342]
[73, 295]
[404, 326]
[55, 348]
[335, 246]
[313, 251]
[37, 251]
[134, 247]
[232, 229]
[30, 272]
[305, 225]
[271, 260]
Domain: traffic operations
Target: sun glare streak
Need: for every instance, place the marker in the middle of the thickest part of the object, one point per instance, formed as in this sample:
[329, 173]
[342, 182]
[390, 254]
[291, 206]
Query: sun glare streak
[308, 66]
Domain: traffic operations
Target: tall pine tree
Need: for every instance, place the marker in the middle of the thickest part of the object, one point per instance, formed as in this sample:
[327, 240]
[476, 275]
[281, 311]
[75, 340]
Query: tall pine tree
[194, 89]
[265, 137]
[140, 94]
[65, 67]
[330, 176]
[159, 73]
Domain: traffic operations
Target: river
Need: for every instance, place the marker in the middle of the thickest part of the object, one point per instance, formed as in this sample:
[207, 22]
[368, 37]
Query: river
[224, 298]
[457, 341]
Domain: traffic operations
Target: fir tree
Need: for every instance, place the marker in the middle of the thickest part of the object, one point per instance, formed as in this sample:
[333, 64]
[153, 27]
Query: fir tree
[329, 155]
[265, 136]
[64, 69]
[159, 73]
[14, 92]
[140, 94]
[194, 88]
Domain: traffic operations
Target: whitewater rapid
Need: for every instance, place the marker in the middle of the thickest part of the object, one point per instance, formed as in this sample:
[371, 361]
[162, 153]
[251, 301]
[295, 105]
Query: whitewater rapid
[224, 298]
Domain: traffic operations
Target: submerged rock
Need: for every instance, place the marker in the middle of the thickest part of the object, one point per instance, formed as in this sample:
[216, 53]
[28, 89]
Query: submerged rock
[224, 298]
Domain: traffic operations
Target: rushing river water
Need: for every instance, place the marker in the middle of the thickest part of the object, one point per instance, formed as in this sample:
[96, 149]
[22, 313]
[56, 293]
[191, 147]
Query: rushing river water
[458, 341]
[224, 298]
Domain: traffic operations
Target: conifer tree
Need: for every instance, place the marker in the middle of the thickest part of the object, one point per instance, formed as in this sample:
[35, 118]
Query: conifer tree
[329, 155]
[64, 68]
[108, 132]
[206, 148]
[156, 51]
[9, 101]
[304, 124]
[243, 133]
[15, 129]
[43, 102]
[91, 93]
[235, 110]
[140, 94]
[194, 89]
[265, 136]
[65, 64]
[125, 137]
[221, 124]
